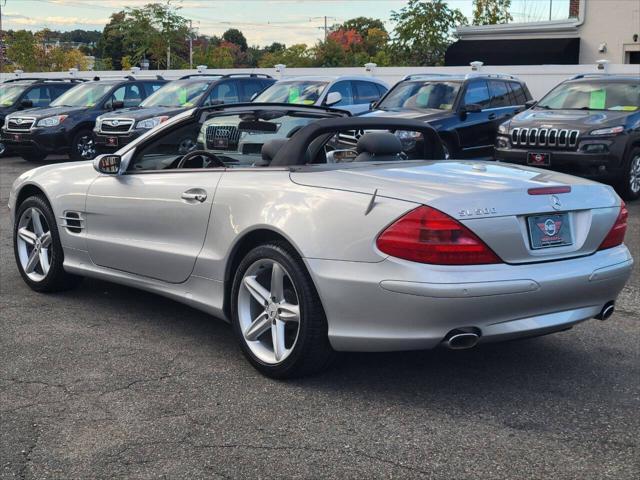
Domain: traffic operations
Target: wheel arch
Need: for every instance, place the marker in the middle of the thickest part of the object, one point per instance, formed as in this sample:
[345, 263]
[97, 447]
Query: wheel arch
[248, 241]
[28, 190]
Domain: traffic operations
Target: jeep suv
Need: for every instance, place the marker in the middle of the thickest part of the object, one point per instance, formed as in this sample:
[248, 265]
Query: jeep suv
[66, 125]
[116, 129]
[589, 125]
[23, 93]
[466, 110]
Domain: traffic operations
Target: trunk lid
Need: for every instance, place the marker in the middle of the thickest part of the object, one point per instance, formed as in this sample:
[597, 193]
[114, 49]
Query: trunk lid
[492, 199]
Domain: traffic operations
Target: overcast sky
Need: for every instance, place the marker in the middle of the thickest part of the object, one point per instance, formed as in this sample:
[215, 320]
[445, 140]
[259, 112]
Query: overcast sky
[262, 21]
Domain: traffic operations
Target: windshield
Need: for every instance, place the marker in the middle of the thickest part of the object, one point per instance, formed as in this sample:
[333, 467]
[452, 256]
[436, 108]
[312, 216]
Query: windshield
[86, 95]
[422, 95]
[181, 93]
[594, 95]
[301, 92]
[10, 93]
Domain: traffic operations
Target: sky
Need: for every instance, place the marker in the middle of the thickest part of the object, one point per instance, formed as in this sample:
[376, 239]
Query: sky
[262, 21]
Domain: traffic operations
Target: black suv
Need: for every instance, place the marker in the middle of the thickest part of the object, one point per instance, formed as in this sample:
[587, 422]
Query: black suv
[66, 125]
[466, 110]
[22, 93]
[589, 125]
[115, 129]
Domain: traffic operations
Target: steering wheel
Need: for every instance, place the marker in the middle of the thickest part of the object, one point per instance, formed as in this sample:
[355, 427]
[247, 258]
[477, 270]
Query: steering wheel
[201, 153]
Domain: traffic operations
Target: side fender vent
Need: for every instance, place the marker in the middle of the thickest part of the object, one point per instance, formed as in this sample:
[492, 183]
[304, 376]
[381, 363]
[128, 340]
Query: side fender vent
[73, 222]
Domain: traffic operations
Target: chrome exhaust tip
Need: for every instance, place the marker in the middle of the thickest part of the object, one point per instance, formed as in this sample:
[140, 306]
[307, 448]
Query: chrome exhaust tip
[607, 311]
[462, 341]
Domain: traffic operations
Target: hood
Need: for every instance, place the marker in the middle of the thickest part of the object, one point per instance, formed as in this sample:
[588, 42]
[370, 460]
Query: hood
[427, 115]
[573, 119]
[39, 113]
[138, 113]
[456, 187]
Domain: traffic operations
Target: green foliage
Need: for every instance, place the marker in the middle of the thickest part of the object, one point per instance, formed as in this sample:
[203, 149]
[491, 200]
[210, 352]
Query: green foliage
[424, 31]
[490, 12]
[110, 46]
[235, 36]
[294, 56]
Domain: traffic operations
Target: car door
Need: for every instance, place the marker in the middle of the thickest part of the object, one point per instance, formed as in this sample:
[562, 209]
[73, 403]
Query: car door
[344, 88]
[474, 129]
[151, 221]
[502, 106]
[250, 87]
[365, 93]
[223, 92]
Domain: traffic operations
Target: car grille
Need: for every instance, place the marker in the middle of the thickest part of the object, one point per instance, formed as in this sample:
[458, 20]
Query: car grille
[20, 124]
[116, 125]
[222, 137]
[544, 138]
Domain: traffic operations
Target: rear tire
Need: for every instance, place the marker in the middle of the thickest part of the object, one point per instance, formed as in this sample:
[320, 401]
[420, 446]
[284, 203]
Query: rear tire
[38, 239]
[83, 146]
[33, 155]
[304, 348]
[628, 186]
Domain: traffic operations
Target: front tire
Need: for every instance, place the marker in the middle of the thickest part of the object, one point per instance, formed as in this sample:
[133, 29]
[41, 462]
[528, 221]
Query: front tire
[37, 248]
[629, 184]
[83, 146]
[277, 315]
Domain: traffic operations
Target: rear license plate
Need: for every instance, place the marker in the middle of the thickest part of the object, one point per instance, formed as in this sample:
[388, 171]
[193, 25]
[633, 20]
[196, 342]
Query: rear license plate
[112, 141]
[539, 159]
[553, 230]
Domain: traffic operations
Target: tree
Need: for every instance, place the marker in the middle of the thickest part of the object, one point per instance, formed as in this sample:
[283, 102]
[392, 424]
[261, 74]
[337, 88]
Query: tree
[490, 12]
[22, 51]
[235, 36]
[372, 31]
[295, 56]
[110, 46]
[424, 31]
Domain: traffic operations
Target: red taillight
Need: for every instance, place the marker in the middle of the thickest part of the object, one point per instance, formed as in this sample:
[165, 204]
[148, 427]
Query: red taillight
[427, 235]
[615, 236]
[549, 190]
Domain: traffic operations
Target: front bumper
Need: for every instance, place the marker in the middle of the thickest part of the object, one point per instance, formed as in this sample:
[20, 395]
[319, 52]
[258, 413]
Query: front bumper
[601, 165]
[369, 308]
[49, 140]
[106, 143]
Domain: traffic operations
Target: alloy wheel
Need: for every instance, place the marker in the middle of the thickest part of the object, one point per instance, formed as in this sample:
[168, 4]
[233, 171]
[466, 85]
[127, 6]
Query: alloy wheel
[634, 175]
[34, 244]
[269, 311]
[86, 147]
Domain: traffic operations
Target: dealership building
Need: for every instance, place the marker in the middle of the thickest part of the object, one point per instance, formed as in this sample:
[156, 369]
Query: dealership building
[594, 30]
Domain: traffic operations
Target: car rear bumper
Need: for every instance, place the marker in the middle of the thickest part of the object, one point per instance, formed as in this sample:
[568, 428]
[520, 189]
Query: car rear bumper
[49, 140]
[369, 309]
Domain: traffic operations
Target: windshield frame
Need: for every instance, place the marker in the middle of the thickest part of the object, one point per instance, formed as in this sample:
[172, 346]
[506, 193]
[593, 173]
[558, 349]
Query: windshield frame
[554, 92]
[60, 101]
[454, 104]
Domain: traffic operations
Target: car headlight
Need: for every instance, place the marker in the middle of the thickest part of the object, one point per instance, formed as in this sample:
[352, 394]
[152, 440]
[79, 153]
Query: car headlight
[51, 121]
[608, 131]
[503, 128]
[151, 122]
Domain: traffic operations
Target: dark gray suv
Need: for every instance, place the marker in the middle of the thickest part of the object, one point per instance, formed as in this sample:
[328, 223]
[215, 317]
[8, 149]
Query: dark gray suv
[589, 126]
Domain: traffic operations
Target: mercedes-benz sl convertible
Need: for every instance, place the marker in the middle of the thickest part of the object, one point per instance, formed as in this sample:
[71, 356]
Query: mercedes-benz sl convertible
[313, 233]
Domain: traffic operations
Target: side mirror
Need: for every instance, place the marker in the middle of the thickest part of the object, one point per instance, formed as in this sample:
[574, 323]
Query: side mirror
[26, 103]
[117, 104]
[373, 105]
[473, 108]
[107, 164]
[333, 98]
[530, 103]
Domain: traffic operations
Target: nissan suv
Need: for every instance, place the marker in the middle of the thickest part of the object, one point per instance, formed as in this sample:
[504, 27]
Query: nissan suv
[66, 125]
[116, 129]
[466, 110]
[589, 125]
[24, 93]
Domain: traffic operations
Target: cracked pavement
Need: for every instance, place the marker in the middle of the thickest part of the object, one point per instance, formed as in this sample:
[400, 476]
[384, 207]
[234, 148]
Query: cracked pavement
[109, 382]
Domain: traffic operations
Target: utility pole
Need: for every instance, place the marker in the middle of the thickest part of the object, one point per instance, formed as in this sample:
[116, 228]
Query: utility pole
[326, 25]
[3, 48]
[325, 29]
[550, 8]
[190, 45]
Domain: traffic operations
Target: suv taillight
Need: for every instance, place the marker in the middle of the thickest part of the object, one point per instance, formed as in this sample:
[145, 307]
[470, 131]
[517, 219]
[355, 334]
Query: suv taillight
[427, 235]
[615, 236]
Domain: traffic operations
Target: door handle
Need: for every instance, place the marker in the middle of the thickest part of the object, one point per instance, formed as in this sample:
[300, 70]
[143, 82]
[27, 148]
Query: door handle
[492, 116]
[194, 194]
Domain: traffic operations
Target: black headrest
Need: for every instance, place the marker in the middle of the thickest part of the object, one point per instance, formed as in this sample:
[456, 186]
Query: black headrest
[379, 143]
[270, 148]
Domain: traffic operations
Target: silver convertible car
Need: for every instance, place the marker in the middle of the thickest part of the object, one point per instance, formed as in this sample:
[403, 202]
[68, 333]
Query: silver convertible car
[339, 236]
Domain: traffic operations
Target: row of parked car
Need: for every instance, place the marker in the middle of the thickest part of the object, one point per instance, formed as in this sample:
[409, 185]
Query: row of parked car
[589, 125]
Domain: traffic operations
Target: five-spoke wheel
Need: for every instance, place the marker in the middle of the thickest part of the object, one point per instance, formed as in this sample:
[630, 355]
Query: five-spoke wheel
[33, 243]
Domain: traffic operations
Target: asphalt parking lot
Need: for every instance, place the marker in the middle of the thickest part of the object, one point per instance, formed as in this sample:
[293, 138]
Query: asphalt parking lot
[109, 382]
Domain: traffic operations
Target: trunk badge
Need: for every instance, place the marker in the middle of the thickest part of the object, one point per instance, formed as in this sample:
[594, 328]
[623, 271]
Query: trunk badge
[555, 202]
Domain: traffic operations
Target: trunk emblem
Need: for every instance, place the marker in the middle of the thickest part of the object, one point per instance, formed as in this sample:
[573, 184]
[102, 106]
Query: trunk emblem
[555, 202]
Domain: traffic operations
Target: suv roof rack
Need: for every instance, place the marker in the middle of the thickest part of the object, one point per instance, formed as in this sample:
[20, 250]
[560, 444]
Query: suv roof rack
[503, 76]
[226, 75]
[596, 75]
[415, 76]
[127, 77]
[36, 80]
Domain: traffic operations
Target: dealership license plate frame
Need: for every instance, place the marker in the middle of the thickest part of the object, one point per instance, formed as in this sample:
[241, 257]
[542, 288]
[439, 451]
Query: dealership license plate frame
[546, 156]
[111, 141]
[540, 238]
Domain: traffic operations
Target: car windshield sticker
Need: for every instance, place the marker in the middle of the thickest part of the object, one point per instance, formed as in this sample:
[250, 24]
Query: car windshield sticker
[294, 95]
[182, 96]
[597, 100]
